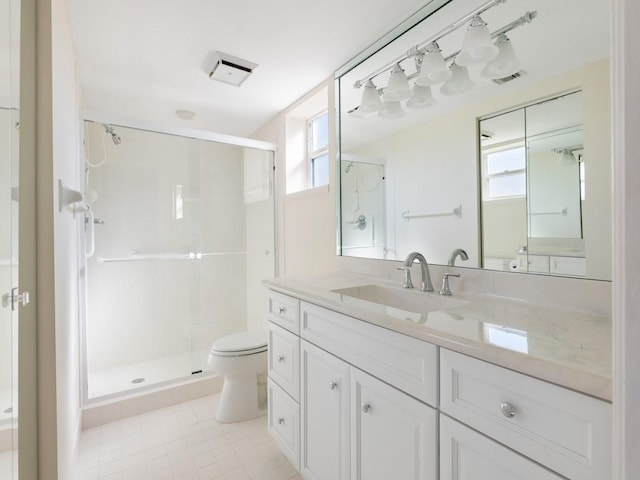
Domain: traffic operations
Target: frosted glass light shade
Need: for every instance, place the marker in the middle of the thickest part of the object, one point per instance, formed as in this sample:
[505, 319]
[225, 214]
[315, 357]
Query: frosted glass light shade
[421, 97]
[391, 110]
[505, 63]
[370, 99]
[459, 81]
[398, 87]
[434, 70]
[476, 47]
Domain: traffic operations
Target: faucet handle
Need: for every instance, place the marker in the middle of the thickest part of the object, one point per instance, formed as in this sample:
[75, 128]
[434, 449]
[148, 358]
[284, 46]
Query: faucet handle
[444, 289]
[407, 276]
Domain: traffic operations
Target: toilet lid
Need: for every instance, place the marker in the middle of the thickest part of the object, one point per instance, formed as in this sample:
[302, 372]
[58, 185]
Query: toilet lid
[245, 342]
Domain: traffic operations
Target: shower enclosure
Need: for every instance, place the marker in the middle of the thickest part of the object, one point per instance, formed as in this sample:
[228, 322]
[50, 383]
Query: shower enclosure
[178, 236]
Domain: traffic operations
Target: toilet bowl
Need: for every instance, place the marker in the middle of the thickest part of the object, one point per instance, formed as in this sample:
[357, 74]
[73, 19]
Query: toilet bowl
[242, 359]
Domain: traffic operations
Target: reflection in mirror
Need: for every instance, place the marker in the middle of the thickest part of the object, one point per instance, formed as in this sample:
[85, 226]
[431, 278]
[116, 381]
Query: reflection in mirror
[534, 190]
[426, 139]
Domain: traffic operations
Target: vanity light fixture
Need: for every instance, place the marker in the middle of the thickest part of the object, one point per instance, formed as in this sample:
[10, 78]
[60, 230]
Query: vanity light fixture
[476, 46]
[370, 98]
[398, 88]
[505, 63]
[421, 97]
[431, 67]
[459, 81]
[433, 70]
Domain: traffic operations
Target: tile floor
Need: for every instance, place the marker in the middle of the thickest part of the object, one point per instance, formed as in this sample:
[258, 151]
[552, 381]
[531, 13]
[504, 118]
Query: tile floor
[182, 442]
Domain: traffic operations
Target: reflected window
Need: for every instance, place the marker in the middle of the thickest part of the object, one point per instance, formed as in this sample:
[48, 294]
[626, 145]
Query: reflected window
[505, 173]
[318, 150]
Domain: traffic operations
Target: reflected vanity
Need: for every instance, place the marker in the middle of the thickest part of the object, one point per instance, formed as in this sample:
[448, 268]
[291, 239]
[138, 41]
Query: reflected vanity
[513, 170]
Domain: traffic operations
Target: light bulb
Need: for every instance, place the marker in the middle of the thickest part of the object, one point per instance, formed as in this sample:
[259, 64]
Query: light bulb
[505, 63]
[459, 81]
[476, 46]
[370, 98]
[421, 97]
[433, 70]
[398, 87]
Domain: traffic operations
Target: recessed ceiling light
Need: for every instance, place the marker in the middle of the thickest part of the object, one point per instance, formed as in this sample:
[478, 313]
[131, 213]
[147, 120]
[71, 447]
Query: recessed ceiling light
[185, 114]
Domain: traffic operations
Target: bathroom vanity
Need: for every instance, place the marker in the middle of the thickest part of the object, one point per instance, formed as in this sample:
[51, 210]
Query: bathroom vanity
[362, 387]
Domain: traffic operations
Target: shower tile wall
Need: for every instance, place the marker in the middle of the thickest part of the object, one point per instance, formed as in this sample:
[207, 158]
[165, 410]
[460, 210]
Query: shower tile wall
[160, 194]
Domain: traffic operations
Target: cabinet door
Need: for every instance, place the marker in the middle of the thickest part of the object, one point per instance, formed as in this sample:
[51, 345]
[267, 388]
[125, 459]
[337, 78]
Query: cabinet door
[325, 415]
[468, 455]
[393, 436]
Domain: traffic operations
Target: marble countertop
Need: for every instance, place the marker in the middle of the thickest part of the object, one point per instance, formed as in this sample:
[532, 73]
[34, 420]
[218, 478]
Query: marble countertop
[571, 349]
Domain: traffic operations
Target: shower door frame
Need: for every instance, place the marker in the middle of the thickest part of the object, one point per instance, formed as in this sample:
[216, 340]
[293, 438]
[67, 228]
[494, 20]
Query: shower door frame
[88, 116]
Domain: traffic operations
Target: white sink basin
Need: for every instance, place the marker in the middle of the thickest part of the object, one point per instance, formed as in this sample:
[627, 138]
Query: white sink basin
[410, 300]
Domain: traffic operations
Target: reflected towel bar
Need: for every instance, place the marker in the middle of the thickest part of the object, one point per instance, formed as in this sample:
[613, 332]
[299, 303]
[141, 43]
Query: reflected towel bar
[136, 257]
[561, 212]
[456, 212]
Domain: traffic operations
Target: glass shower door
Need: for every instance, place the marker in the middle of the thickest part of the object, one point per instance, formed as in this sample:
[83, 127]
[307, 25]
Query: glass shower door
[179, 237]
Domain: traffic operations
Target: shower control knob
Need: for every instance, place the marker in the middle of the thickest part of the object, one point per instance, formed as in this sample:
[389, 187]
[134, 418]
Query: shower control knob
[366, 408]
[333, 385]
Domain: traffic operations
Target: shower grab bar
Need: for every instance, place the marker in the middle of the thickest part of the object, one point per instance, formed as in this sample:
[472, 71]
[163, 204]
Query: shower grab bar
[135, 257]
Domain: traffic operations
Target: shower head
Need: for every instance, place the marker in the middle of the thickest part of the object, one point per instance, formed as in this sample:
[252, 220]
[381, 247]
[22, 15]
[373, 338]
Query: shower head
[114, 136]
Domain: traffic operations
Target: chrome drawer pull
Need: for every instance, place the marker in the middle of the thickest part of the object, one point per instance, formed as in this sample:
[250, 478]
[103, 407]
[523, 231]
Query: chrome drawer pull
[281, 358]
[280, 421]
[281, 310]
[508, 410]
[366, 407]
[332, 385]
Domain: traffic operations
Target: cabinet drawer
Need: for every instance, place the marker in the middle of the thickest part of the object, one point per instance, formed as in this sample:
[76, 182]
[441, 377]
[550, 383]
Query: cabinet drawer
[284, 360]
[464, 453]
[284, 422]
[284, 311]
[564, 430]
[575, 266]
[404, 362]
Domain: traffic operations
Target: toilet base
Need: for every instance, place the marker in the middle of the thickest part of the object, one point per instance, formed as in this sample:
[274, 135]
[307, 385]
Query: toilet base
[240, 399]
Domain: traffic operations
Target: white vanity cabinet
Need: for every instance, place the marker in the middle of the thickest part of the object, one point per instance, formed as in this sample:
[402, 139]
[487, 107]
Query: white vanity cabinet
[565, 431]
[325, 411]
[392, 434]
[467, 455]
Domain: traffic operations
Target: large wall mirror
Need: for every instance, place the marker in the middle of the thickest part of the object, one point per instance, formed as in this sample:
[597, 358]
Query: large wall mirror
[485, 127]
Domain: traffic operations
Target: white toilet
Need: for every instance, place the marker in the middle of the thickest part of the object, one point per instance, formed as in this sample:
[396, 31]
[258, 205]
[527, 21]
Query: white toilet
[242, 359]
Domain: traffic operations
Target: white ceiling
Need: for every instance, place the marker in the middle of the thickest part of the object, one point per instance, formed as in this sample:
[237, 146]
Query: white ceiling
[143, 59]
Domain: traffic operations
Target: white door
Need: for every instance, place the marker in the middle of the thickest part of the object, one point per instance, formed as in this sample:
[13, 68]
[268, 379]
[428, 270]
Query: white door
[325, 412]
[468, 455]
[393, 435]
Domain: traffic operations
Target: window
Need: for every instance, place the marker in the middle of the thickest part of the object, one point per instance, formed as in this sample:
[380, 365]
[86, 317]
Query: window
[505, 173]
[318, 149]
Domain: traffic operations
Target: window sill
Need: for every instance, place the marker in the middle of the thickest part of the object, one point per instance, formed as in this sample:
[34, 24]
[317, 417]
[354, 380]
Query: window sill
[309, 192]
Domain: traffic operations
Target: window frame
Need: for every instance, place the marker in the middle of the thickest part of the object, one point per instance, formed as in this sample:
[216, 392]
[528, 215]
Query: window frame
[312, 155]
[487, 177]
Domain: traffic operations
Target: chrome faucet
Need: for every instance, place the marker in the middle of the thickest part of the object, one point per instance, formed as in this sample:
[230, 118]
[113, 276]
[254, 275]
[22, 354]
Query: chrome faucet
[454, 254]
[426, 285]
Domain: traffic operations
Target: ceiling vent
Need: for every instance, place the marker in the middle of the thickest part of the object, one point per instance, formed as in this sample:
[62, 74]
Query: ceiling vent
[230, 69]
[509, 78]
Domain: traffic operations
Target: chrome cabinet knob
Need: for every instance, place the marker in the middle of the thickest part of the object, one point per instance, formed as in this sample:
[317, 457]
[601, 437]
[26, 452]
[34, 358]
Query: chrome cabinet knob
[366, 407]
[280, 420]
[281, 358]
[281, 310]
[333, 385]
[507, 410]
